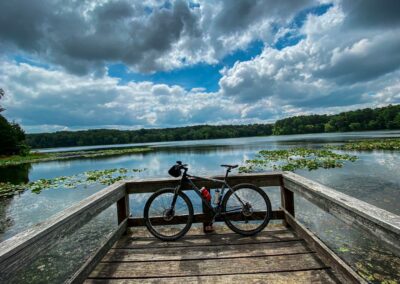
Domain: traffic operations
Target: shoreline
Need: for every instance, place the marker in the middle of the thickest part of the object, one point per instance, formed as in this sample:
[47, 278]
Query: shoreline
[36, 157]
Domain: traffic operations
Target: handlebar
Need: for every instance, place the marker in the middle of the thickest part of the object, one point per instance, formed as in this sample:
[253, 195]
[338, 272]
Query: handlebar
[182, 166]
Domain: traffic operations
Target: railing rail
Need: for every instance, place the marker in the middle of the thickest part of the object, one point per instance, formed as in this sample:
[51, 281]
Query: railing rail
[379, 222]
[18, 251]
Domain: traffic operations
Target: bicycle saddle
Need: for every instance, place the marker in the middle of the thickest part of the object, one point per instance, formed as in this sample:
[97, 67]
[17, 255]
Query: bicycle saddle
[230, 166]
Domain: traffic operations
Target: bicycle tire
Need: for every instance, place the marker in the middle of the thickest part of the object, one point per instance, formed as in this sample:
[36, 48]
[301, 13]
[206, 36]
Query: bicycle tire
[258, 227]
[156, 232]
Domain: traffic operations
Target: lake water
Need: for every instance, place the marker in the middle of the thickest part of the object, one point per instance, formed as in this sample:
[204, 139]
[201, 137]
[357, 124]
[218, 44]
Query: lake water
[373, 178]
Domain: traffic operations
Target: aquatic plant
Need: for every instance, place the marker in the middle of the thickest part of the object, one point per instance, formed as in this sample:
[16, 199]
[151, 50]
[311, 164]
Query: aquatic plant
[369, 145]
[296, 158]
[105, 177]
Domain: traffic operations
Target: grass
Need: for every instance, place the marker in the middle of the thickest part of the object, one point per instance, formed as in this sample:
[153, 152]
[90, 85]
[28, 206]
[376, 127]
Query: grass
[35, 157]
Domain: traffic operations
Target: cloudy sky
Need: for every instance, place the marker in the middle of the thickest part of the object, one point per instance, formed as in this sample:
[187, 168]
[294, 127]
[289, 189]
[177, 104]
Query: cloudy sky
[130, 64]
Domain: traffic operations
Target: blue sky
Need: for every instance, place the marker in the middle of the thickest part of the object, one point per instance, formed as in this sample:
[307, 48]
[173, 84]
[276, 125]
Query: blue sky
[120, 64]
[200, 75]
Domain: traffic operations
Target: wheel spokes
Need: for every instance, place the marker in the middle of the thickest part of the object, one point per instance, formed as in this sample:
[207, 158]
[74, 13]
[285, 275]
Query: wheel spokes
[167, 221]
[249, 216]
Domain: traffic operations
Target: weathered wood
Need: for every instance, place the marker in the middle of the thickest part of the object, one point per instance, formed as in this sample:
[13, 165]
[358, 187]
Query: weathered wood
[84, 271]
[343, 271]
[200, 218]
[151, 185]
[207, 252]
[150, 243]
[123, 208]
[287, 200]
[262, 264]
[19, 250]
[380, 223]
[281, 187]
[317, 276]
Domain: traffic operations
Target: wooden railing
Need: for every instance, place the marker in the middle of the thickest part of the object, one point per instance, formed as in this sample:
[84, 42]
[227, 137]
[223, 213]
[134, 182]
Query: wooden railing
[17, 252]
[376, 221]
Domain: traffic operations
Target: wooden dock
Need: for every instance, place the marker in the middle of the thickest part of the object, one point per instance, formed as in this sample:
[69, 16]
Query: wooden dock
[277, 254]
[280, 254]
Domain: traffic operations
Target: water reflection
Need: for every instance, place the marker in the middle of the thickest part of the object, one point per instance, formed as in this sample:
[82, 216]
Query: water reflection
[15, 174]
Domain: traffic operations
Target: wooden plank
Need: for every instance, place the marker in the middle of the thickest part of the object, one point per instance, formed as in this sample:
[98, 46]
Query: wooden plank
[323, 276]
[223, 266]
[288, 200]
[84, 271]
[208, 240]
[198, 218]
[151, 185]
[22, 248]
[123, 208]
[380, 223]
[344, 272]
[206, 252]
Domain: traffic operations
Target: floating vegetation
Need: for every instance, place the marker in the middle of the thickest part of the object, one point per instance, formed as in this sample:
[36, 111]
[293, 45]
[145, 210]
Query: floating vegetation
[369, 145]
[296, 158]
[105, 177]
[34, 157]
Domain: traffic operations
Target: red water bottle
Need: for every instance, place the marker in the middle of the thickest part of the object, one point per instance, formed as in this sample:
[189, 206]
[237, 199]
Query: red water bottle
[205, 193]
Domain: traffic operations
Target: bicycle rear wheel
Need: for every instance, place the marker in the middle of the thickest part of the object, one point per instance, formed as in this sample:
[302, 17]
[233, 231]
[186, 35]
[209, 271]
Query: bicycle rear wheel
[165, 222]
[251, 215]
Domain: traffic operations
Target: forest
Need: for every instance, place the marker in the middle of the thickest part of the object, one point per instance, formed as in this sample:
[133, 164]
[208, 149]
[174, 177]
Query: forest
[358, 120]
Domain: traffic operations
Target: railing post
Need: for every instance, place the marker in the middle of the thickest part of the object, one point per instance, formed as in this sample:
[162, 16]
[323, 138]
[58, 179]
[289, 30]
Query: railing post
[287, 201]
[123, 208]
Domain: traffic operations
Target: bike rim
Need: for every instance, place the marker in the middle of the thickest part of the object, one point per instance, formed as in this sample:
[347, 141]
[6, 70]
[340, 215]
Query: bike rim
[167, 222]
[250, 215]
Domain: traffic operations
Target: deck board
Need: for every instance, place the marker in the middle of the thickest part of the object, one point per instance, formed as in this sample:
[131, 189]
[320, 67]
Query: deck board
[306, 276]
[273, 256]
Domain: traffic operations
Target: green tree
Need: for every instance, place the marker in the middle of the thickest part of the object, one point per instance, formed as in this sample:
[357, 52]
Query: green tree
[12, 137]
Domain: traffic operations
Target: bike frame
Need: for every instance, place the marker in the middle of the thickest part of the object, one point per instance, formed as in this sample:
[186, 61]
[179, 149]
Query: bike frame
[186, 179]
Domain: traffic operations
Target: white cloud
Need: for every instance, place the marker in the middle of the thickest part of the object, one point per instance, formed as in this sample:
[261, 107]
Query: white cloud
[43, 100]
[333, 66]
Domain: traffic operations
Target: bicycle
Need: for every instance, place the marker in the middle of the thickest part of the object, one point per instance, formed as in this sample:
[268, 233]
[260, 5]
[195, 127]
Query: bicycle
[168, 213]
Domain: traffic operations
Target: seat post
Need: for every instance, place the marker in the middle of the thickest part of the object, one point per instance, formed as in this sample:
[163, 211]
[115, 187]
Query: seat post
[227, 172]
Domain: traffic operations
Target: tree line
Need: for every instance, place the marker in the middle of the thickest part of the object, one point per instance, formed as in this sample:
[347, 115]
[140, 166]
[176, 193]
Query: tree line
[111, 136]
[358, 120]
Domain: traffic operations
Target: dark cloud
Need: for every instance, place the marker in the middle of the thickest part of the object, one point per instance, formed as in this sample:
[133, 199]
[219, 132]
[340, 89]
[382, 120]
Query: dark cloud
[23, 22]
[367, 59]
[372, 13]
[81, 40]
[238, 15]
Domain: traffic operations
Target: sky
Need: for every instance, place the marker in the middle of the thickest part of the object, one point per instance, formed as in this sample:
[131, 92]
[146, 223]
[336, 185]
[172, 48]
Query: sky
[72, 65]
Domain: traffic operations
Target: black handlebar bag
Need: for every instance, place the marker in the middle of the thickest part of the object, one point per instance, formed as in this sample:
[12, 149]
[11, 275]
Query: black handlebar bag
[175, 171]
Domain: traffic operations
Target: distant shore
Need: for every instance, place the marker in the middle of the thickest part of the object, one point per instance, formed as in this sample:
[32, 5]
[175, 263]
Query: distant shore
[35, 157]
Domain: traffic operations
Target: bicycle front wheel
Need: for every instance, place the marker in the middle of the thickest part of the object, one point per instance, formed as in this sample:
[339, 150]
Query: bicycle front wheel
[246, 209]
[164, 221]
